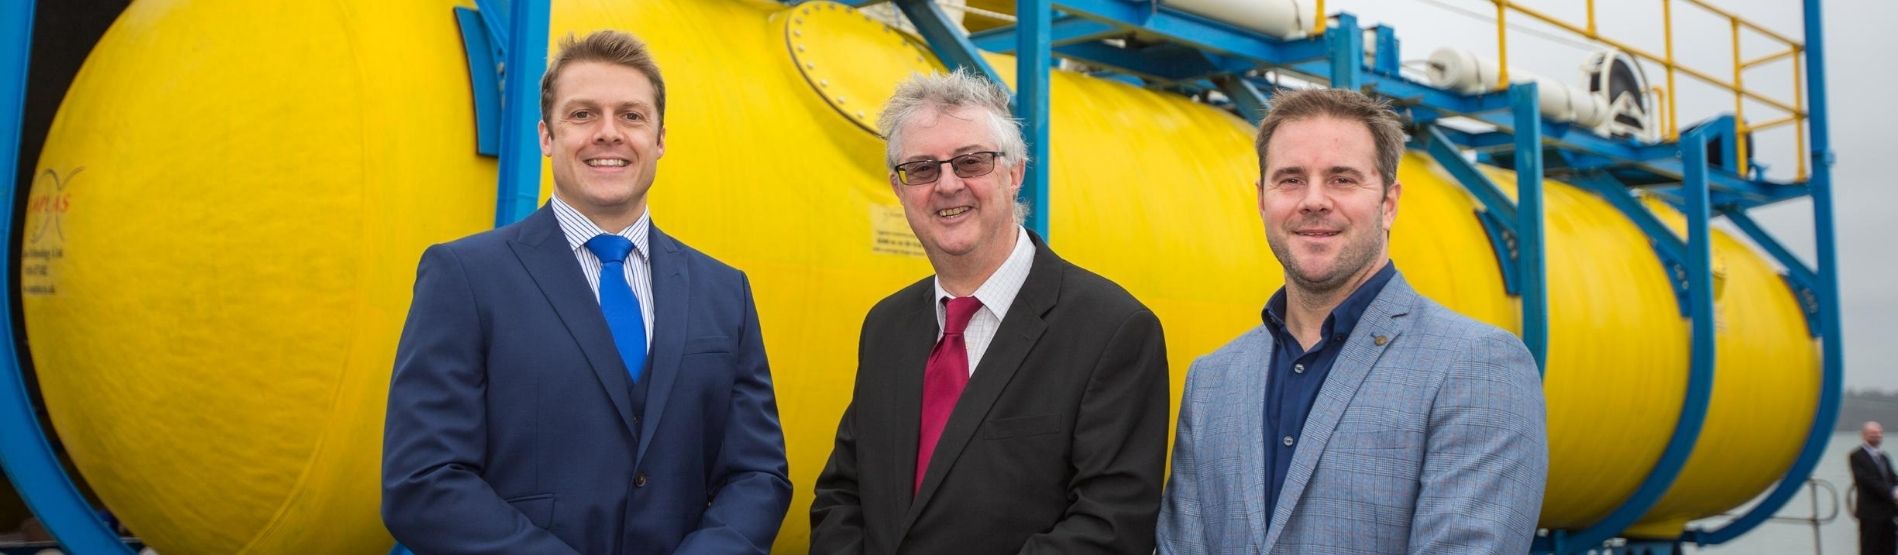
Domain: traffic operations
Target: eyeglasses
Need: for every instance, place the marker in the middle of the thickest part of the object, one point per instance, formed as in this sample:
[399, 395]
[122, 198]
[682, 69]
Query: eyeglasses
[924, 172]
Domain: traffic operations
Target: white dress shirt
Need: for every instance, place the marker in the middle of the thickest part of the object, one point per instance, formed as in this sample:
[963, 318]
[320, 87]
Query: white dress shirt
[996, 295]
[579, 229]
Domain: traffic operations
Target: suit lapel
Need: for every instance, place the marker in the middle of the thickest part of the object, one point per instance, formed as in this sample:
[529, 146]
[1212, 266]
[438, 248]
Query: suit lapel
[1013, 340]
[1254, 365]
[917, 328]
[543, 250]
[671, 299]
[1361, 352]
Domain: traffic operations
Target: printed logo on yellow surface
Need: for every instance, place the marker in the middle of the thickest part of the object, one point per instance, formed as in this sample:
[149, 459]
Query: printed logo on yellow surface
[45, 231]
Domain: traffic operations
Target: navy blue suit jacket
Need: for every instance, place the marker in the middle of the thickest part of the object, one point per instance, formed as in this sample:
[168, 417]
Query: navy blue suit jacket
[510, 424]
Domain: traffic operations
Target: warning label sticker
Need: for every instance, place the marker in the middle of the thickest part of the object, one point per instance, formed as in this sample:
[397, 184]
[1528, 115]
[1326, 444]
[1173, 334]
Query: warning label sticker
[890, 233]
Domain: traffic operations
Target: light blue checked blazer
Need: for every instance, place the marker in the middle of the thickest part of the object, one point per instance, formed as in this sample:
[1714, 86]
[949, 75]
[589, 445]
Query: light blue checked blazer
[1428, 436]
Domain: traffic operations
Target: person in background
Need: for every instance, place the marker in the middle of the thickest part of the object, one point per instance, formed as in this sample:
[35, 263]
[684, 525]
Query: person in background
[1877, 493]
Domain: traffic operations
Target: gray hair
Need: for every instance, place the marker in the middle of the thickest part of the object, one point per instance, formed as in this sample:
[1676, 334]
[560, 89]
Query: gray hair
[938, 93]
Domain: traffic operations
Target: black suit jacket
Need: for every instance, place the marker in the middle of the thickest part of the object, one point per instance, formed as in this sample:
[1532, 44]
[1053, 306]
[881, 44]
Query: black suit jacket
[1057, 445]
[1874, 487]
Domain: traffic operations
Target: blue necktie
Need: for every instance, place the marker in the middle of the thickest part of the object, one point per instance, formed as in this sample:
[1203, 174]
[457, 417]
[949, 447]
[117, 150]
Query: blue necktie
[618, 303]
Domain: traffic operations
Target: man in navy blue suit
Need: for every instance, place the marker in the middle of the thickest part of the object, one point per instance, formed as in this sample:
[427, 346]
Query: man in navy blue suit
[580, 382]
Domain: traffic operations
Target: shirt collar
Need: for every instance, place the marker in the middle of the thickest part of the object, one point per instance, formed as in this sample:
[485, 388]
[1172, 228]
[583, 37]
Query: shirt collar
[1345, 317]
[579, 229]
[999, 291]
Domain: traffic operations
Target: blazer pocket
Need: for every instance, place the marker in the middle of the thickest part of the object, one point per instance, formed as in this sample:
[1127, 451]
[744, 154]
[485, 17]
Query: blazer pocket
[708, 345]
[1376, 439]
[539, 509]
[1022, 426]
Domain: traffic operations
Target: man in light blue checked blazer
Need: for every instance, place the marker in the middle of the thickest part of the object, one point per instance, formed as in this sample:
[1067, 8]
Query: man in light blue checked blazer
[1360, 417]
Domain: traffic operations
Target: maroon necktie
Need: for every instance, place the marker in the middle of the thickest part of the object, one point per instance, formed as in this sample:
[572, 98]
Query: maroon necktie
[943, 379]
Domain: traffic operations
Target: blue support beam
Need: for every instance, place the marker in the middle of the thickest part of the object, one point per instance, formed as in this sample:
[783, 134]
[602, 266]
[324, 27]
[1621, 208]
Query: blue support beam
[1346, 62]
[1802, 280]
[1065, 29]
[1668, 248]
[1700, 372]
[1532, 266]
[1387, 45]
[1032, 33]
[1251, 102]
[29, 459]
[1831, 344]
[945, 38]
[479, 42]
[1499, 217]
[519, 191]
[1438, 145]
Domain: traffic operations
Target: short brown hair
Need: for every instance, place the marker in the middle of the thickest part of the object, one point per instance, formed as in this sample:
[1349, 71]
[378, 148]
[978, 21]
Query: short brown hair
[609, 46]
[1387, 132]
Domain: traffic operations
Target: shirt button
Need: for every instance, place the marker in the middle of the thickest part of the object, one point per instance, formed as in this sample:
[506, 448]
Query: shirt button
[639, 480]
[1298, 369]
[1287, 441]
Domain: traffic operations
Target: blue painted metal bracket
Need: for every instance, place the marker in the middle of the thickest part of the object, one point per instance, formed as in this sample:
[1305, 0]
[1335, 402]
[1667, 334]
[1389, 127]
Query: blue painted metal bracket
[1669, 250]
[29, 459]
[1065, 29]
[1249, 100]
[1498, 215]
[1802, 280]
[1532, 265]
[1832, 345]
[481, 44]
[1346, 59]
[1386, 61]
[519, 191]
[944, 39]
[1700, 373]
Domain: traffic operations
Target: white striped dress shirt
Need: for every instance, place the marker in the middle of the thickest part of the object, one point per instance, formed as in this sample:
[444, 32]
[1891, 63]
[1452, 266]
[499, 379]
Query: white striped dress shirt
[579, 229]
[996, 295]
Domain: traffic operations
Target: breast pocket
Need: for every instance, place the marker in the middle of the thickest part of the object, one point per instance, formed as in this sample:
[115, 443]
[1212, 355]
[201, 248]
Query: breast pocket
[539, 509]
[1375, 439]
[708, 345]
[1022, 426]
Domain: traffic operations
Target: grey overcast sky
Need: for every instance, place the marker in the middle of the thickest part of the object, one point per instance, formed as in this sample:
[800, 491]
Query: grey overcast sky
[1861, 42]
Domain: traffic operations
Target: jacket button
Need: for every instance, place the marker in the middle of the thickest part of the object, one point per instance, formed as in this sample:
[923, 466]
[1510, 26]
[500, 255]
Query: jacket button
[639, 480]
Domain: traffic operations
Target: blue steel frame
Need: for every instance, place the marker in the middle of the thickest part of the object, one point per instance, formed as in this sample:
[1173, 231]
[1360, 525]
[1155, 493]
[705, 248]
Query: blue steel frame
[1833, 350]
[30, 462]
[1213, 52]
[1199, 54]
[1700, 373]
[519, 190]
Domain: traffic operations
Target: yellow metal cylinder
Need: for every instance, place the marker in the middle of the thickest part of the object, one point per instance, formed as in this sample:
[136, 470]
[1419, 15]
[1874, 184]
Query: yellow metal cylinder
[243, 188]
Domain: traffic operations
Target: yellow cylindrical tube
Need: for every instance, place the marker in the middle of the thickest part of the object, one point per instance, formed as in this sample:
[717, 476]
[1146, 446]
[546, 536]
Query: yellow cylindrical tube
[246, 188]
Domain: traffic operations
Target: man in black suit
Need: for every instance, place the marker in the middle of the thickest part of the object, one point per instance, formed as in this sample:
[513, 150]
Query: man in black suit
[1877, 493]
[1012, 403]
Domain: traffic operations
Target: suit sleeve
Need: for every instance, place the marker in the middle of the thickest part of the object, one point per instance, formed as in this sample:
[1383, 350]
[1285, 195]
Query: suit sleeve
[1119, 448]
[1182, 529]
[434, 499]
[837, 510]
[751, 480]
[1486, 456]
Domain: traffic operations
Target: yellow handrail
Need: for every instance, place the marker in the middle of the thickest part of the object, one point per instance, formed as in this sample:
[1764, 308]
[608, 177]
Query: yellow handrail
[1795, 111]
[1319, 28]
[1502, 45]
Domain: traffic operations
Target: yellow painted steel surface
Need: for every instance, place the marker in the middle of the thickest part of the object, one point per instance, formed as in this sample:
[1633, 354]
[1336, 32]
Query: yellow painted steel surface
[223, 232]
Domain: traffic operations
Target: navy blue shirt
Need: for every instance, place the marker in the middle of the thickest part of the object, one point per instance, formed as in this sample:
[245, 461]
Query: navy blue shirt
[1295, 376]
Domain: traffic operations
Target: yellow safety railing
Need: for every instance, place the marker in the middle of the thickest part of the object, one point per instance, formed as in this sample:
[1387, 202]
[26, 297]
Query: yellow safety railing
[1793, 113]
